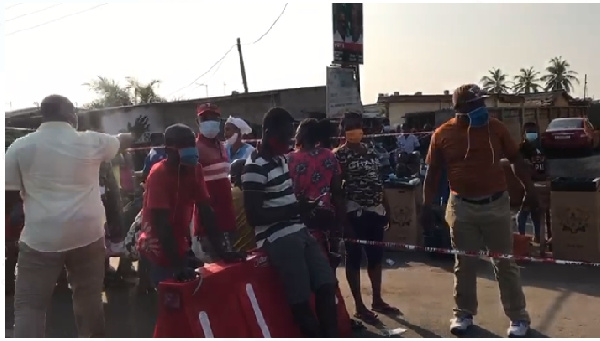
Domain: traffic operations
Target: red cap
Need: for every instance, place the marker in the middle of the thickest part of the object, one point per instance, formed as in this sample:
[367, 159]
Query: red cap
[207, 107]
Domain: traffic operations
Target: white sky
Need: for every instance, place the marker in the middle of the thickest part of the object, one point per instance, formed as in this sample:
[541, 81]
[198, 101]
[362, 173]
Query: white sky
[408, 47]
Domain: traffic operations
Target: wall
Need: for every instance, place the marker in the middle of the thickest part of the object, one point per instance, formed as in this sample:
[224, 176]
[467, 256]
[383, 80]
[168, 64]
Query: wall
[251, 107]
[398, 110]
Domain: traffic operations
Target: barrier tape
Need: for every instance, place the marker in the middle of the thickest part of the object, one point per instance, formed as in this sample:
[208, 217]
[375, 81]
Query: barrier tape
[335, 138]
[469, 253]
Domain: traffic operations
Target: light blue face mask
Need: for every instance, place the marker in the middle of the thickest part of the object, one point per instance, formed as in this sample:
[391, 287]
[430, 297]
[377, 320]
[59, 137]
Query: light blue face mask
[531, 136]
[210, 129]
[189, 156]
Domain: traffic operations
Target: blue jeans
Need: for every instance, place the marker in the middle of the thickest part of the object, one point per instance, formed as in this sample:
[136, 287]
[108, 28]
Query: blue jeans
[522, 220]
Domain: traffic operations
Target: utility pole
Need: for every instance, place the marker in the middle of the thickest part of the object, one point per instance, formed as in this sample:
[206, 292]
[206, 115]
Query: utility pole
[585, 86]
[242, 67]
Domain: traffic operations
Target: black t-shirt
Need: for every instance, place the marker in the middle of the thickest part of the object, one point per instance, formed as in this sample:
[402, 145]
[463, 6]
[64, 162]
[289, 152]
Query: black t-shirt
[534, 154]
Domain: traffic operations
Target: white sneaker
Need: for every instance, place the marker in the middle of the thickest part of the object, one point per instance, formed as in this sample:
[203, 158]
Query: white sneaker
[460, 325]
[518, 329]
[115, 249]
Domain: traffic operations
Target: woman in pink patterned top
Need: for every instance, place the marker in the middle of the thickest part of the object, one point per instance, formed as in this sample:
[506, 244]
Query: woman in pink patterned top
[316, 174]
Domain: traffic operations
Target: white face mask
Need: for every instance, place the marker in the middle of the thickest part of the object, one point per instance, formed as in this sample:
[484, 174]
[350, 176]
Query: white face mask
[230, 141]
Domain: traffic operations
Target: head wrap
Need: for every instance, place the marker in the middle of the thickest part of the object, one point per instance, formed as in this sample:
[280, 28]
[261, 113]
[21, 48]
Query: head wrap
[240, 124]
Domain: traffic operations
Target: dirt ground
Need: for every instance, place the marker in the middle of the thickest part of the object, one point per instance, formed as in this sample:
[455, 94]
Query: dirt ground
[563, 302]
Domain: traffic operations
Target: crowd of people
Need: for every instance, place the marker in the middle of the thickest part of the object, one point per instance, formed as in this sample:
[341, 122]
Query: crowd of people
[292, 201]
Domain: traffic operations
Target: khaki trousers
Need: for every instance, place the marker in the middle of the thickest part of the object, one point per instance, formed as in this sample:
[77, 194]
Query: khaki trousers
[475, 226]
[37, 273]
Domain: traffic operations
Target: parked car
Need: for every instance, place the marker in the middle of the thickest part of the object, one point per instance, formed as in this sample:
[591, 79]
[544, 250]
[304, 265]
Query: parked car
[574, 133]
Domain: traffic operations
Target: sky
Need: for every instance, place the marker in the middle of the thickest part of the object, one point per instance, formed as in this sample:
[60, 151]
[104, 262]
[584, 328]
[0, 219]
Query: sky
[407, 47]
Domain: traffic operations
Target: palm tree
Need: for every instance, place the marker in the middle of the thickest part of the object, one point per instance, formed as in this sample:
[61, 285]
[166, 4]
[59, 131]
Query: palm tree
[144, 93]
[110, 93]
[559, 76]
[495, 83]
[526, 81]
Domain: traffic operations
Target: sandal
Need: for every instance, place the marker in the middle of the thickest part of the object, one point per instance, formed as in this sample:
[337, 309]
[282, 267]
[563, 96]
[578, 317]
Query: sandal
[368, 317]
[385, 309]
[357, 325]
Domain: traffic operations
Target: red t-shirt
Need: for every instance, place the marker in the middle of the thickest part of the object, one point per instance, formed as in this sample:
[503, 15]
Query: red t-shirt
[179, 194]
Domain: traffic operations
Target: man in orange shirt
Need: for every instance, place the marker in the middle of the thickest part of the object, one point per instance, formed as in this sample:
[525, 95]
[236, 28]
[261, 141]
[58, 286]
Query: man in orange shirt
[470, 147]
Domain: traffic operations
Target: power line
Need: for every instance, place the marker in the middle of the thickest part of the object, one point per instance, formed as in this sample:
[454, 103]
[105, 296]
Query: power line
[57, 19]
[11, 6]
[218, 62]
[205, 73]
[270, 27]
[34, 12]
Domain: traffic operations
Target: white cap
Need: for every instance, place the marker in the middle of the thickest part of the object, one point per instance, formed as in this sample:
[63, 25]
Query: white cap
[240, 124]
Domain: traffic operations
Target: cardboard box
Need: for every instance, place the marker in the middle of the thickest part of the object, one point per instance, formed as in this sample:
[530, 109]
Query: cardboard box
[404, 227]
[575, 225]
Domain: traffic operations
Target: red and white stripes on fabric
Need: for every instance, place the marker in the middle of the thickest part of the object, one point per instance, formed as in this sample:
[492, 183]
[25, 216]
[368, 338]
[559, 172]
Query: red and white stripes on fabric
[470, 254]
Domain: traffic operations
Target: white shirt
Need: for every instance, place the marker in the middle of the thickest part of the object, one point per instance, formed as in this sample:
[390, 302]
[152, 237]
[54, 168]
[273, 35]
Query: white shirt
[57, 169]
[408, 143]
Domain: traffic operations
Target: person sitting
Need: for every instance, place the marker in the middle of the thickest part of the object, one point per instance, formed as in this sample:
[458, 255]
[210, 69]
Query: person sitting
[235, 129]
[245, 233]
[274, 211]
[316, 173]
[174, 187]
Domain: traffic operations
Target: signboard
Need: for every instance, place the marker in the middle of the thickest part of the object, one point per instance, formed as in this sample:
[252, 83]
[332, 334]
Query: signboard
[342, 92]
[348, 33]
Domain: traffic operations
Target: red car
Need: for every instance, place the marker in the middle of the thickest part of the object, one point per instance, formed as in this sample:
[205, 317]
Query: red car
[570, 133]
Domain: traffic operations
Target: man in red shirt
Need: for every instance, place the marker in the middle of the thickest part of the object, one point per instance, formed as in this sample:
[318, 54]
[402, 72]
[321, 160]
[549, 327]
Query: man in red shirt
[215, 163]
[173, 188]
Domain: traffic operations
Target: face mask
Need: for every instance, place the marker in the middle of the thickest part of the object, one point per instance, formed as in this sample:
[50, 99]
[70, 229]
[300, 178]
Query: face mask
[531, 136]
[210, 129]
[277, 146]
[189, 156]
[479, 117]
[230, 141]
[354, 136]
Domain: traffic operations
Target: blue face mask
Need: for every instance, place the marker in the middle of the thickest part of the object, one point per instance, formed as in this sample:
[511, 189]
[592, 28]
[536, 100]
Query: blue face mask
[188, 156]
[210, 129]
[531, 136]
[479, 117]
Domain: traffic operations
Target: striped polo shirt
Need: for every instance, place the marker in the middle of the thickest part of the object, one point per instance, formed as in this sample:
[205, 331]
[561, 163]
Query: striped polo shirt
[272, 177]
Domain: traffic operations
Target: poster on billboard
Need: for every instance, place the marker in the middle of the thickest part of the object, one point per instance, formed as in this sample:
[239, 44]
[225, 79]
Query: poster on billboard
[342, 92]
[348, 33]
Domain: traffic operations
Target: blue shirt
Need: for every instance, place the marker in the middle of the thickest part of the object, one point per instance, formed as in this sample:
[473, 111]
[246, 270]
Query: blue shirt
[242, 153]
[155, 155]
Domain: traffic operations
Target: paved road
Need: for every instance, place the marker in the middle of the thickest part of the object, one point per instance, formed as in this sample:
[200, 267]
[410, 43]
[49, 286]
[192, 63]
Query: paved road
[563, 302]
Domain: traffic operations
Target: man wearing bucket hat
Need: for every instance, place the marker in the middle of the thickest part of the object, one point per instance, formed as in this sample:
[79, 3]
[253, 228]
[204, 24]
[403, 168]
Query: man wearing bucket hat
[470, 146]
[235, 129]
[214, 161]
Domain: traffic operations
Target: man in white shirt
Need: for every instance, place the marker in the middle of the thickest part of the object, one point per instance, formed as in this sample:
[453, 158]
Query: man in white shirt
[56, 169]
[407, 142]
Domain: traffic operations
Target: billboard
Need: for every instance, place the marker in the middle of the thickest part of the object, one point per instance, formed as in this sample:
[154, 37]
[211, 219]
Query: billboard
[348, 33]
[342, 92]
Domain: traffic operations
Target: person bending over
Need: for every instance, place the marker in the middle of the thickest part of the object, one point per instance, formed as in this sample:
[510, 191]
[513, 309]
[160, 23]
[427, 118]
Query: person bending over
[274, 211]
[174, 187]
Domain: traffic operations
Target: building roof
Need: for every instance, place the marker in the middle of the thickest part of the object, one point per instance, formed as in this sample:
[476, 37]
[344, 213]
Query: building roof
[545, 98]
[216, 99]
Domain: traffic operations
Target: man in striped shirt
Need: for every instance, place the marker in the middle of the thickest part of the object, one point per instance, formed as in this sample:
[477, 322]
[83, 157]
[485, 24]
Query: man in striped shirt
[274, 211]
[215, 164]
